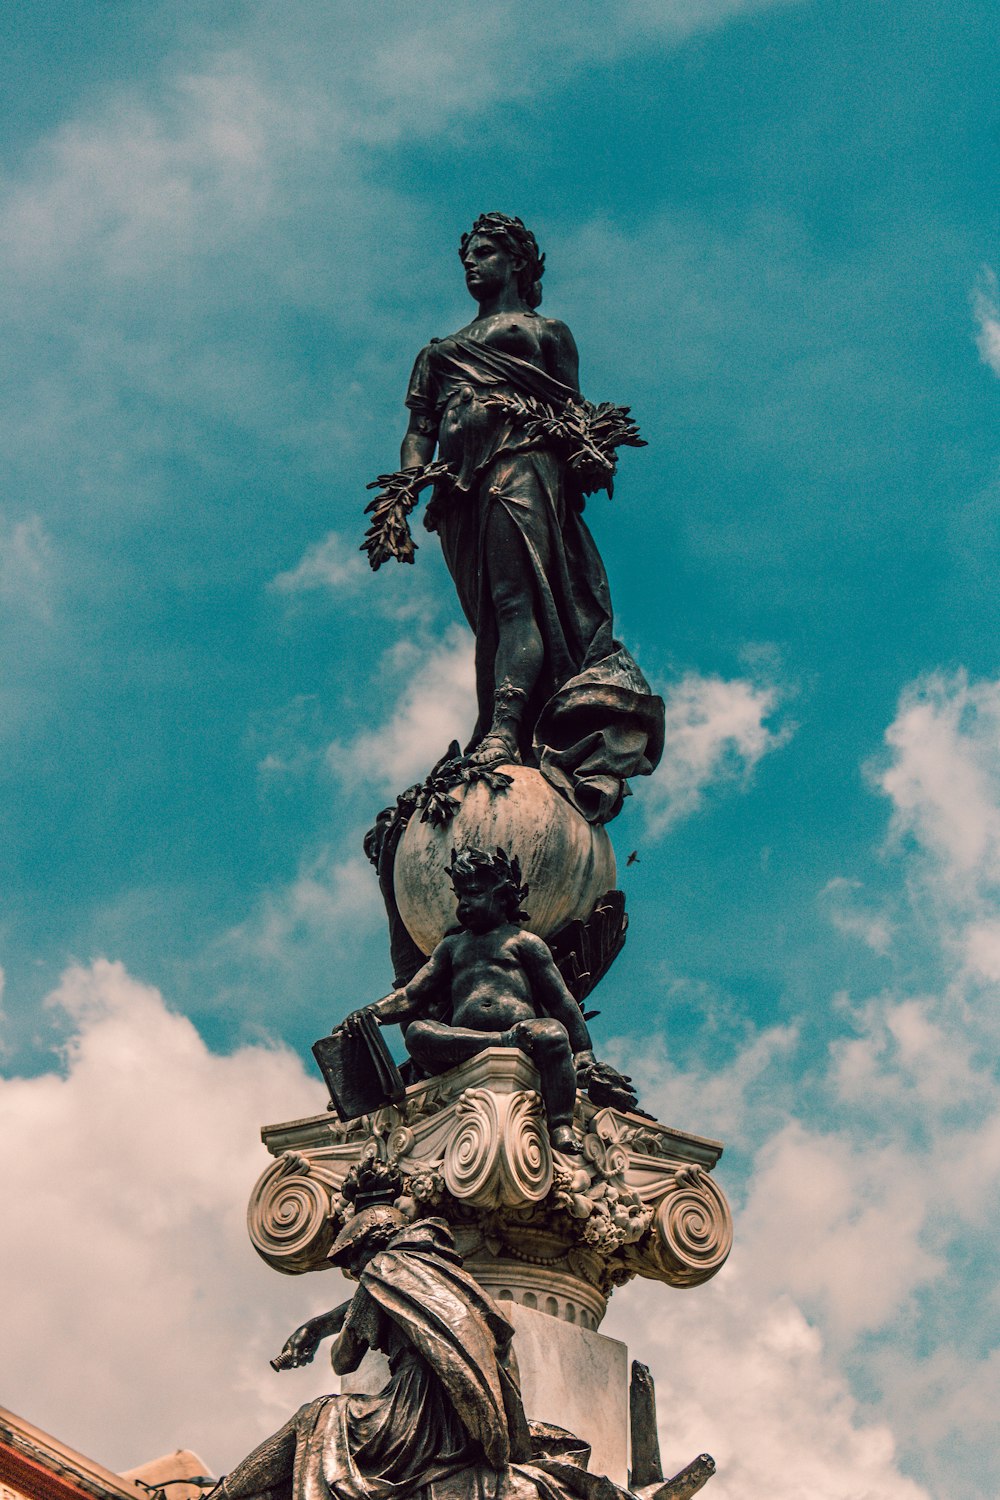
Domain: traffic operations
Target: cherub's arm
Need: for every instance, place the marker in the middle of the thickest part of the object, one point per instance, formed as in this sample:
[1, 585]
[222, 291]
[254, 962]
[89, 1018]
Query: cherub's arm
[414, 999]
[549, 992]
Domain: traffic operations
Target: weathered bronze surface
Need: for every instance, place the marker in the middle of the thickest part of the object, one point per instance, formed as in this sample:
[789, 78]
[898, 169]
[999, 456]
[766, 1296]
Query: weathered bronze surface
[451, 1409]
[518, 451]
[449, 1422]
[492, 984]
[687, 1482]
[645, 1443]
[646, 1473]
[554, 1197]
[358, 1068]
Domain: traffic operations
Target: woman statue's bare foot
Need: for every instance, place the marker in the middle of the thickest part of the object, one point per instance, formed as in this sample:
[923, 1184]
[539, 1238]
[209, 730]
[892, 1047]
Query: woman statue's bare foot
[499, 744]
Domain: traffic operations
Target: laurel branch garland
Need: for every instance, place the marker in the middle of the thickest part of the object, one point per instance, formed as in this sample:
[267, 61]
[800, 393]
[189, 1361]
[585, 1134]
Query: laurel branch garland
[388, 533]
[588, 435]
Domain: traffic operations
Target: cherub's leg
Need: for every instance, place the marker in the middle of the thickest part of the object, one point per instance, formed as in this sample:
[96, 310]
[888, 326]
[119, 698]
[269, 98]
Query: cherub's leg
[546, 1041]
[438, 1047]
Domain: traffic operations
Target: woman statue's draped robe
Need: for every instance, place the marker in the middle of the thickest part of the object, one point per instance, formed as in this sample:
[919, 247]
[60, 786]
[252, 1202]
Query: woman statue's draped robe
[593, 720]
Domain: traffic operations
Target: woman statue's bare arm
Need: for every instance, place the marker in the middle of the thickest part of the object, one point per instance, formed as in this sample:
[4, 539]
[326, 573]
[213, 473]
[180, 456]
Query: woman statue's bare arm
[418, 444]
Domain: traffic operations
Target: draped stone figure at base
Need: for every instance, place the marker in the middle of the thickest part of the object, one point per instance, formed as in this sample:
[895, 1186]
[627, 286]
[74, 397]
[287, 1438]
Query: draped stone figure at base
[449, 1424]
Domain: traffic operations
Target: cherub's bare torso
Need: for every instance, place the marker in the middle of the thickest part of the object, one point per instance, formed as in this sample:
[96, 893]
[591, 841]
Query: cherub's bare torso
[490, 984]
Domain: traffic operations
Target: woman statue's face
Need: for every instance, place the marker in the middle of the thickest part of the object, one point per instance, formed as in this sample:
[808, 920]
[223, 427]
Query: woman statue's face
[489, 268]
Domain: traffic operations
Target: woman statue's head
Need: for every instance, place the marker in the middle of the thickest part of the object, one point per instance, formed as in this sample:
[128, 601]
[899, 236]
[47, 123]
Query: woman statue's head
[520, 244]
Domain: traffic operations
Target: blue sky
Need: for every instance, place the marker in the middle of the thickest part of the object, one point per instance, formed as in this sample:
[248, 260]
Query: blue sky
[226, 229]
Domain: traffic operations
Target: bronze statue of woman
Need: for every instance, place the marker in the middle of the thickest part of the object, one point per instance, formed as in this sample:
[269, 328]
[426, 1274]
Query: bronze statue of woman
[518, 449]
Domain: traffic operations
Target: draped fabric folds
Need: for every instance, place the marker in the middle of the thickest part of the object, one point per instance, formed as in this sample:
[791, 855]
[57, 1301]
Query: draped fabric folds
[593, 720]
[449, 1424]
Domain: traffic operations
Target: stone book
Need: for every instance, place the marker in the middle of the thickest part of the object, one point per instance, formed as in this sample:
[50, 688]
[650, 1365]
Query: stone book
[358, 1069]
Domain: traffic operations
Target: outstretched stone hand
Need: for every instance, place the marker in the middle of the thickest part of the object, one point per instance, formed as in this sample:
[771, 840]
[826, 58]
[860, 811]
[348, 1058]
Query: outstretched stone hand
[299, 1348]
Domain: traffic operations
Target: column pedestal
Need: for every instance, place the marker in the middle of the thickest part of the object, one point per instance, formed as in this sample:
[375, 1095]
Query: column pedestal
[577, 1379]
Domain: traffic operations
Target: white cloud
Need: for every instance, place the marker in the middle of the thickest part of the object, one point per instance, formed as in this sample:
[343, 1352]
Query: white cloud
[948, 1402]
[187, 168]
[435, 706]
[836, 1224]
[852, 1252]
[147, 242]
[27, 568]
[715, 731]
[329, 564]
[864, 1252]
[402, 80]
[329, 904]
[846, 1251]
[287, 741]
[904, 1061]
[136, 1163]
[982, 948]
[720, 1100]
[987, 315]
[206, 156]
[853, 918]
[943, 778]
[142, 1319]
[677, 19]
[146, 248]
[745, 1377]
[850, 1248]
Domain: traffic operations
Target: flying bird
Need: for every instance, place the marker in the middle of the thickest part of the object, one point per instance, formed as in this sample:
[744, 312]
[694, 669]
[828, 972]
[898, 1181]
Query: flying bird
[633, 858]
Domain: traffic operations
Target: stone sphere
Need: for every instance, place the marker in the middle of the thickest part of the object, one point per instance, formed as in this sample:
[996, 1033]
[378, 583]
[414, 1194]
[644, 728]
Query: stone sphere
[566, 862]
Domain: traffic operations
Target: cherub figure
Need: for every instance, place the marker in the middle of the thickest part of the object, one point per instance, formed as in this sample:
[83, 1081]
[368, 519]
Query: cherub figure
[492, 984]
